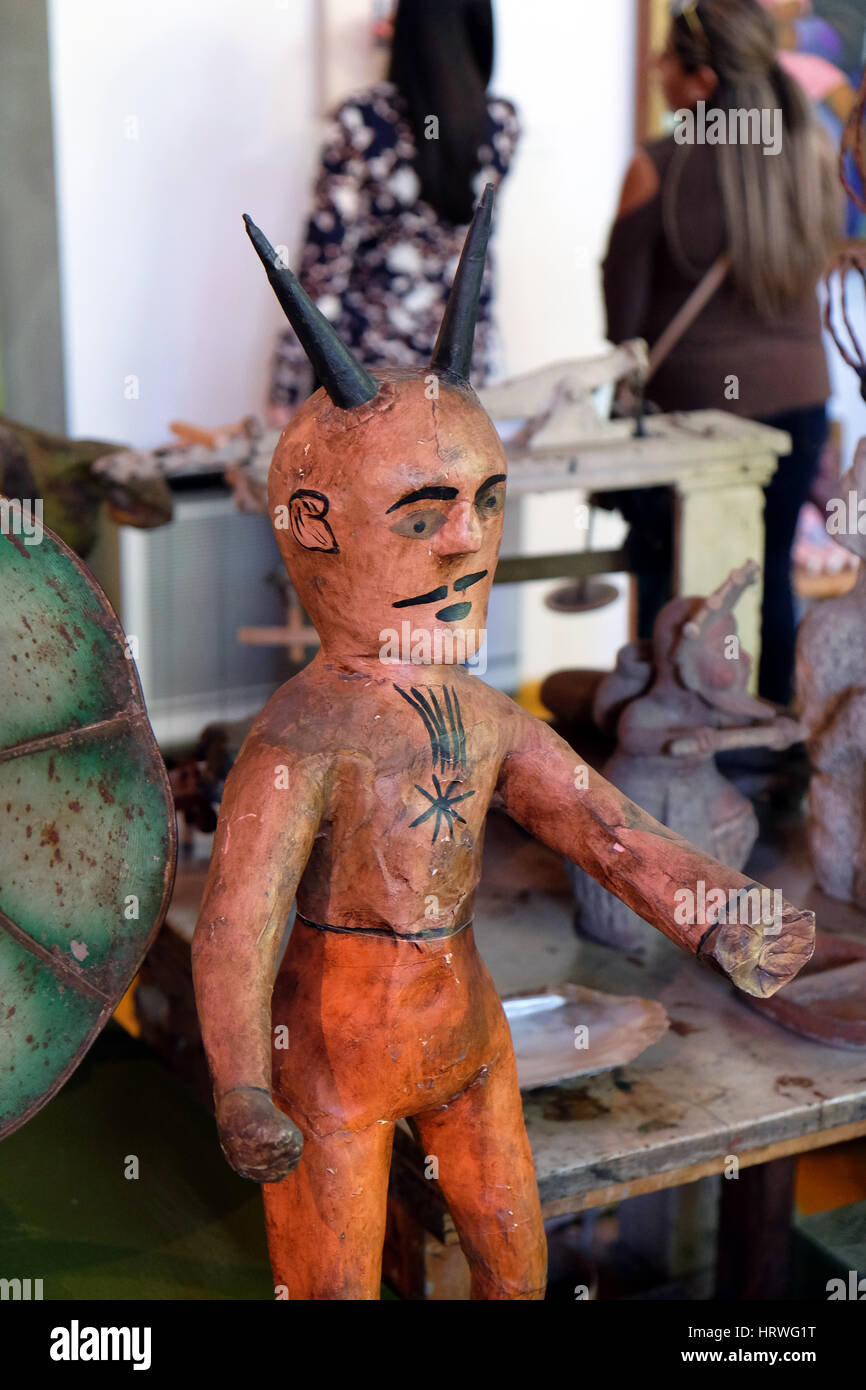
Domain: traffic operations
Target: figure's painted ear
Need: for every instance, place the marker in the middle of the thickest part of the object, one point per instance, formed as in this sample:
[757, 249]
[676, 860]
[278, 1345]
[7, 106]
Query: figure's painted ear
[307, 512]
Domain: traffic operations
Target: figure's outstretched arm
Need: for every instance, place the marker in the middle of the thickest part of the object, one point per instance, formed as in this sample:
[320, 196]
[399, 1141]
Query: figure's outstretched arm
[547, 789]
[268, 819]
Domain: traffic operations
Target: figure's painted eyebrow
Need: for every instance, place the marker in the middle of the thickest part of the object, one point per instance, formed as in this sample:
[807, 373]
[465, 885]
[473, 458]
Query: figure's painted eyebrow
[425, 494]
[490, 482]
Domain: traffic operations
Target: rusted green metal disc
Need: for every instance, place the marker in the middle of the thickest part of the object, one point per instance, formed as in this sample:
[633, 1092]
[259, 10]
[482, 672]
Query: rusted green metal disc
[87, 850]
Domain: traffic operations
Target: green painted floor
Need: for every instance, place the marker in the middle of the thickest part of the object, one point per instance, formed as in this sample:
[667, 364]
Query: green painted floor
[186, 1228]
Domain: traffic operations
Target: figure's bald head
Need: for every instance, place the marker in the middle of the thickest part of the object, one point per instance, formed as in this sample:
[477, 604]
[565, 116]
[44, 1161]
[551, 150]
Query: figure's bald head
[386, 489]
[391, 511]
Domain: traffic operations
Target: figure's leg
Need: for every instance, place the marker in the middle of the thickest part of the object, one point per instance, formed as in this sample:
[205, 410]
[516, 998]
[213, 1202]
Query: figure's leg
[326, 1221]
[487, 1176]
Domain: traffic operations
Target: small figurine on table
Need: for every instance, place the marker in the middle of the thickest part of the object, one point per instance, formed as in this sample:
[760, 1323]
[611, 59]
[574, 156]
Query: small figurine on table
[831, 688]
[362, 791]
[695, 704]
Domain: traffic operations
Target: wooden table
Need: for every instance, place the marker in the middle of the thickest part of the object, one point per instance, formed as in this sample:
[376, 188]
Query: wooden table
[718, 465]
[724, 1083]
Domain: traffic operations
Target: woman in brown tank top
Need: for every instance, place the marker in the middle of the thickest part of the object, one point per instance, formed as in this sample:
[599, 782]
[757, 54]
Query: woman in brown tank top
[756, 347]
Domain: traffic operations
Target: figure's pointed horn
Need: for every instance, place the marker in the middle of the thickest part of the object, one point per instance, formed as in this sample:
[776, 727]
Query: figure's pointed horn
[343, 377]
[452, 354]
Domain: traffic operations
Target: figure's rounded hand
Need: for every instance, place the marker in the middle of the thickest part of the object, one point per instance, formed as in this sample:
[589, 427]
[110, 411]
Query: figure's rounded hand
[259, 1141]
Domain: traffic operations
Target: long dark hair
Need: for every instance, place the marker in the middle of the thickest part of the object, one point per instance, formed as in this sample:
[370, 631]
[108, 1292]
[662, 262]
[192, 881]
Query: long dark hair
[783, 214]
[441, 60]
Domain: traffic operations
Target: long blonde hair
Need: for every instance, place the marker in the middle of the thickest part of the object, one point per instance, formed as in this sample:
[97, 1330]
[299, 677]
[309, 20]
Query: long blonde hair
[783, 212]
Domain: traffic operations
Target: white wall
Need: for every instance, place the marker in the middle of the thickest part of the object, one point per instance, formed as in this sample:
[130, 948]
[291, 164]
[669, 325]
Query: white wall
[172, 117]
[157, 278]
[569, 66]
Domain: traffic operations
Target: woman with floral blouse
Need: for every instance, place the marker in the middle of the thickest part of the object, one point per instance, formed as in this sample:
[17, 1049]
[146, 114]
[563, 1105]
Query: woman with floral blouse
[402, 166]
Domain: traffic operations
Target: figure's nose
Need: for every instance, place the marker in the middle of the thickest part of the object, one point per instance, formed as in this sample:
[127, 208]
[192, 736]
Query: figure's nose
[461, 533]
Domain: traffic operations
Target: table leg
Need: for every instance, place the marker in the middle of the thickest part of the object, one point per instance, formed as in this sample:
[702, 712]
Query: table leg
[415, 1264]
[755, 1212]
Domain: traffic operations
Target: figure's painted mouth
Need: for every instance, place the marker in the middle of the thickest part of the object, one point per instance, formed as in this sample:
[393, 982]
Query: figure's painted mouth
[434, 594]
[453, 612]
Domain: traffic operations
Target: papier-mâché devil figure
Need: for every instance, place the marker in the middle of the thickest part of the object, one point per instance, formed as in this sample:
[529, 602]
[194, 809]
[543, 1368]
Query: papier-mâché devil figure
[362, 790]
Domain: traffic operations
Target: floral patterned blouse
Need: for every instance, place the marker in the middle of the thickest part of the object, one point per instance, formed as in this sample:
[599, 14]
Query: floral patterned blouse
[377, 260]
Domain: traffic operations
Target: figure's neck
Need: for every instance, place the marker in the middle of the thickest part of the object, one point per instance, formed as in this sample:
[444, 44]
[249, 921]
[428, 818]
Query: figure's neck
[348, 665]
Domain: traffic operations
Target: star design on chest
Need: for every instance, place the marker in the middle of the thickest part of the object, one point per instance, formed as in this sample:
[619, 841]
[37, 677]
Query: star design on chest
[441, 717]
[442, 805]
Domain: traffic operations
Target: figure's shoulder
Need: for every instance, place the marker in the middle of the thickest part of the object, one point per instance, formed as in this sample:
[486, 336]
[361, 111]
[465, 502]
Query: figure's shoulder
[509, 717]
[295, 723]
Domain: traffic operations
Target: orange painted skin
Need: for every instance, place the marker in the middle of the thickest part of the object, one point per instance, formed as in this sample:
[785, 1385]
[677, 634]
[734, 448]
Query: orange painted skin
[363, 789]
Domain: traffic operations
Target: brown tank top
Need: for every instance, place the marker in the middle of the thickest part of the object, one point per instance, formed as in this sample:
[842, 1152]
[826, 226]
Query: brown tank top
[657, 255]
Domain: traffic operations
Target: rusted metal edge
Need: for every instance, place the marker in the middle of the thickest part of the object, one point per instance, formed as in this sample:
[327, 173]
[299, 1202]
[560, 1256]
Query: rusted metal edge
[64, 1076]
[136, 714]
[111, 1003]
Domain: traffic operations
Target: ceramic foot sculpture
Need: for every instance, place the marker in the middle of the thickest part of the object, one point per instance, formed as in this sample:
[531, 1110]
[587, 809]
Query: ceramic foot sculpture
[694, 704]
[831, 690]
[363, 790]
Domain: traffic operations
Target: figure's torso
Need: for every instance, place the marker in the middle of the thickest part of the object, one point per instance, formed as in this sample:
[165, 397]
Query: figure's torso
[412, 767]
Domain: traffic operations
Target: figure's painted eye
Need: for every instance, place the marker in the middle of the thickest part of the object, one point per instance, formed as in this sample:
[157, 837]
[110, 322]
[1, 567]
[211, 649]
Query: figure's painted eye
[491, 501]
[421, 525]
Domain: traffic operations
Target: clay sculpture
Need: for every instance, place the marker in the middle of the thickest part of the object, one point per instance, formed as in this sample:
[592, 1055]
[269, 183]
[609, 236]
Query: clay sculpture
[362, 791]
[831, 691]
[673, 712]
